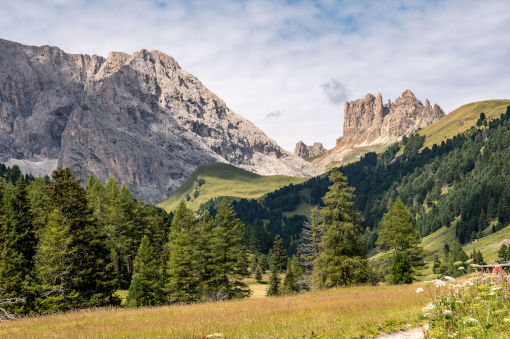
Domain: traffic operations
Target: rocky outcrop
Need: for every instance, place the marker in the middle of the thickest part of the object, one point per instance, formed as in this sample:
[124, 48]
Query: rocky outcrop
[139, 118]
[304, 151]
[369, 121]
[370, 125]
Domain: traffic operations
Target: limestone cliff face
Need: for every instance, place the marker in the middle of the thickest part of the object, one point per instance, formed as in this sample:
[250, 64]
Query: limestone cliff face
[369, 121]
[370, 125]
[139, 118]
[304, 151]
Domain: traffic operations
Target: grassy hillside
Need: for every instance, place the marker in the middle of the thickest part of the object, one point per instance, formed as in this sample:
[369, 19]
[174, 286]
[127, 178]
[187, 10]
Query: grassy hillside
[360, 311]
[461, 120]
[488, 245]
[223, 180]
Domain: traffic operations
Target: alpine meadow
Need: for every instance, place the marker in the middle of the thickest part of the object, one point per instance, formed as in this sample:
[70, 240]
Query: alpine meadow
[147, 189]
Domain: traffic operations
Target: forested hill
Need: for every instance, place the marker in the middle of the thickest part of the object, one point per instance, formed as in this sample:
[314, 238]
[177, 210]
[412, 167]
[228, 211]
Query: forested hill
[463, 182]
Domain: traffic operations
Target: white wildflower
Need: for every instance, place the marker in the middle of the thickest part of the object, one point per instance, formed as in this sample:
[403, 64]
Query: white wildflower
[428, 308]
[447, 277]
[439, 283]
[458, 301]
[453, 335]
[447, 312]
[492, 293]
[419, 290]
[496, 288]
[461, 268]
[470, 320]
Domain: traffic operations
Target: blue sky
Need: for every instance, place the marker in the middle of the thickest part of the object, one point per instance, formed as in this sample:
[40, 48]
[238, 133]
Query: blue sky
[289, 66]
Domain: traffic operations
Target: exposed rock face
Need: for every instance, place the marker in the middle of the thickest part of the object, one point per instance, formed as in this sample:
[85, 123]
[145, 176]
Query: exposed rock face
[139, 118]
[304, 151]
[369, 121]
[370, 125]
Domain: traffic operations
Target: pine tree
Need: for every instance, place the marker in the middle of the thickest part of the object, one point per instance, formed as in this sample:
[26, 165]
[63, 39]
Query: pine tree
[342, 257]
[503, 253]
[183, 268]
[274, 283]
[279, 255]
[258, 273]
[229, 264]
[145, 288]
[399, 233]
[52, 263]
[18, 243]
[91, 273]
[400, 271]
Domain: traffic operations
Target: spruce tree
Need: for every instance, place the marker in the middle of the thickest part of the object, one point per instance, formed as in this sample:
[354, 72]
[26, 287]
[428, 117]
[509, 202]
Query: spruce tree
[91, 275]
[184, 265]
[229, 263]
[342, 257]
[258, 273]
[274, 283]
[145, 288]
[502, 253]
[279, 255]
[399, 233]
[18, 244]
[52, 263]
[400, 271]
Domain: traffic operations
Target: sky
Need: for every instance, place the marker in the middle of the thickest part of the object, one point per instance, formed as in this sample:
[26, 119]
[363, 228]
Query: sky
[289, 66]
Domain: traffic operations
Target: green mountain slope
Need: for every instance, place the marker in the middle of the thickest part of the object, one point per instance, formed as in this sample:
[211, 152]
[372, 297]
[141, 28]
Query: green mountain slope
[461, 119]
[223, 180]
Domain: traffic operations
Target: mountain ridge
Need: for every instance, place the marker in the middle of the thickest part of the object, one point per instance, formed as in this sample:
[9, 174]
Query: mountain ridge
[139, 118]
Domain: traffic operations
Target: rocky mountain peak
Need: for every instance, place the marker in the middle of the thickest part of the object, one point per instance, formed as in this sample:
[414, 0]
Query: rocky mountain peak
[139, 118]
[368, 121]
[304, 151]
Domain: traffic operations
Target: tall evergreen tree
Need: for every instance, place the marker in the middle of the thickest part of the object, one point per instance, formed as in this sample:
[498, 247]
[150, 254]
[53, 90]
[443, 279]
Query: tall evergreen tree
[274, 283]
[342, 257]
[17, 246]
[279, 255]
[52, 263]
[146, 288]
[184, 265]
[399, 233]
[90, 271]
[229, 263]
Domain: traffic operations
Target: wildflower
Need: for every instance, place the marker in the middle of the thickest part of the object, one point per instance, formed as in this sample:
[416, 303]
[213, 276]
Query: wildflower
[461, 268]
[492, 293]
[496, 288]
[439, 283]
[470, 320]
[447, 277]
[429, 315]
[458, 301]
[419, 290]
[453, 335]
[447, 312]
[428, 308]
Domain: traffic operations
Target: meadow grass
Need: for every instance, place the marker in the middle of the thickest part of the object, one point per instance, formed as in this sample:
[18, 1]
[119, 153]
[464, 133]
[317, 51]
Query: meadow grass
[461, 119]
[223, 180]
[335, 313]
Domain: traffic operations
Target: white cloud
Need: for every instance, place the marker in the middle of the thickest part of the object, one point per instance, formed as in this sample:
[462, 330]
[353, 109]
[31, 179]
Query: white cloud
[262, 54]
[335, 91]
[274, 115]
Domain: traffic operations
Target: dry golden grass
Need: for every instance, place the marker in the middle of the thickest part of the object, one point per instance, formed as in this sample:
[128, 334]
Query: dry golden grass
[337, 313]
